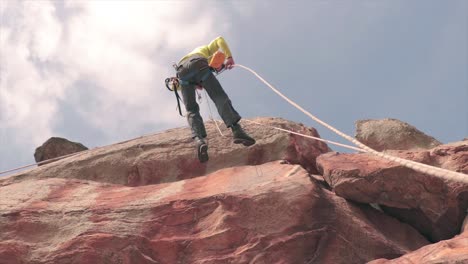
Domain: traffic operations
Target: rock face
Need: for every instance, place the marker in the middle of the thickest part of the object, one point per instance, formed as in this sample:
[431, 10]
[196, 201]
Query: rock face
[452, 251]
[435, 207]
[56, 147]
[170, 155]
[149, 200]
[270, 213]
[393, 134]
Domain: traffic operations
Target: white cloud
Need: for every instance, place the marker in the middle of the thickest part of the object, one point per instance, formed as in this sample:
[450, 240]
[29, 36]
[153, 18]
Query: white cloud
[27, 94]
[123, 48]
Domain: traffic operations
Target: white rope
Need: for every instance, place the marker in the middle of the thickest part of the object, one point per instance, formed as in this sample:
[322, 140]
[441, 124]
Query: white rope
[211, 115]
[435, 171]
[281, 129]
[68, 155]
[427, 169]
[277, 128]
[81, 152]
[307, 136]
[42, 162]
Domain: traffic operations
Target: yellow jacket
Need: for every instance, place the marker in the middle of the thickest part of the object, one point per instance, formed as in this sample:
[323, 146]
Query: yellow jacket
[208, 50]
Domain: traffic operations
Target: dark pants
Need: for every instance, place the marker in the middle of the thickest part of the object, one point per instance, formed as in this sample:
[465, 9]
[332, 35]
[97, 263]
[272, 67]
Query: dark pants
[198, 68]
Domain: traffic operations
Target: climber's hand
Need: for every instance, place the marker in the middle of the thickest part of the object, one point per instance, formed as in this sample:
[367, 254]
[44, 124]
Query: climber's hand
[230, 63]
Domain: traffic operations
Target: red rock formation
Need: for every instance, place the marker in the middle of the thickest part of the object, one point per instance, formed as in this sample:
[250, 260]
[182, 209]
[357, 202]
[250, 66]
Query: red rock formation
[433, 206]
[170, 155]
[147, 201]
[271, 213]
[450, 251]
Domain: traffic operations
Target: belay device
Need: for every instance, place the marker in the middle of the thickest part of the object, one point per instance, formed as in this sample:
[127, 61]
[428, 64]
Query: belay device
[172, 84]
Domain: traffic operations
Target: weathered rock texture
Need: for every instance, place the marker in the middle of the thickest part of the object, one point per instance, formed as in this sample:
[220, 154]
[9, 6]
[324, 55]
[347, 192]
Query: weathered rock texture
[383, 134]
[433, 206]
[271, 213]
[453, 251]
[56, 147]
[149, 200]
[170, 155]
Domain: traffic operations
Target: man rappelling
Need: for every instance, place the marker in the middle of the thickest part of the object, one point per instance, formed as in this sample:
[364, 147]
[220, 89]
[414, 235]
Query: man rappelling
[195, 70]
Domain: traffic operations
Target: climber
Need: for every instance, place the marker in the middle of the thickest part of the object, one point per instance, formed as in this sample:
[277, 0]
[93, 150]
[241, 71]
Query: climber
[195, 71]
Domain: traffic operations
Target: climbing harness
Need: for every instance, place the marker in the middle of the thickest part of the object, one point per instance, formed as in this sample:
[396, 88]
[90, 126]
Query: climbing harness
[173, 83]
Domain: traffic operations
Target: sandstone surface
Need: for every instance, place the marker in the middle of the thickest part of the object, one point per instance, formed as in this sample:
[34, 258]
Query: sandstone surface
[452, 251]
[149, 200]
[434, 206]
[270, 213]
[170, 155]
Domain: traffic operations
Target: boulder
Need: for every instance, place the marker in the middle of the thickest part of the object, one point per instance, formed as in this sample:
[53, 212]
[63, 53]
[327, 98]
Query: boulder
[56, 147]
[433, 206]
[452, 156]
[270, 213]
[450, 251]
[170, 155]
[383, 134]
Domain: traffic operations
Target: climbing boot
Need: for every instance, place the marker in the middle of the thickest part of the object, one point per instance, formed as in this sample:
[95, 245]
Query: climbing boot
[240, 137]
[202, 149]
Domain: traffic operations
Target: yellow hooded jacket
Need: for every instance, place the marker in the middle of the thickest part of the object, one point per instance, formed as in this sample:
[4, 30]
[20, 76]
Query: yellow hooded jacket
[208, 50]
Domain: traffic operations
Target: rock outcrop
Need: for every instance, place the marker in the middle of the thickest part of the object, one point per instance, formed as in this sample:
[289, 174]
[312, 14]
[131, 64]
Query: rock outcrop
[433, 206]
[270, 213]
[56, 147]
[287, 199]
[452, 251]
[383, 134]
[170, 155]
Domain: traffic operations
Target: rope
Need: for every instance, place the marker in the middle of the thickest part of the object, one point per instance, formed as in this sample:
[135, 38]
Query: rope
[306, 136]
[68, 155]
[40, 163]
[427, 169]
[211, 115]
[280, 129]
[277, 128]
[81, 152]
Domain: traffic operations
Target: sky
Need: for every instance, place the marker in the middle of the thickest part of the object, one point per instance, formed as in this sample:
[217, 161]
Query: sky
[93, 71]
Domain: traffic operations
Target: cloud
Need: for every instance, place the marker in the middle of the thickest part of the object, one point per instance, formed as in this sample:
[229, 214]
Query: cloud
[122, 51]
[27, 93]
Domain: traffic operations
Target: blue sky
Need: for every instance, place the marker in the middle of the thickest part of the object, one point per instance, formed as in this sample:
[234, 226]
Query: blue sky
[93, 71]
